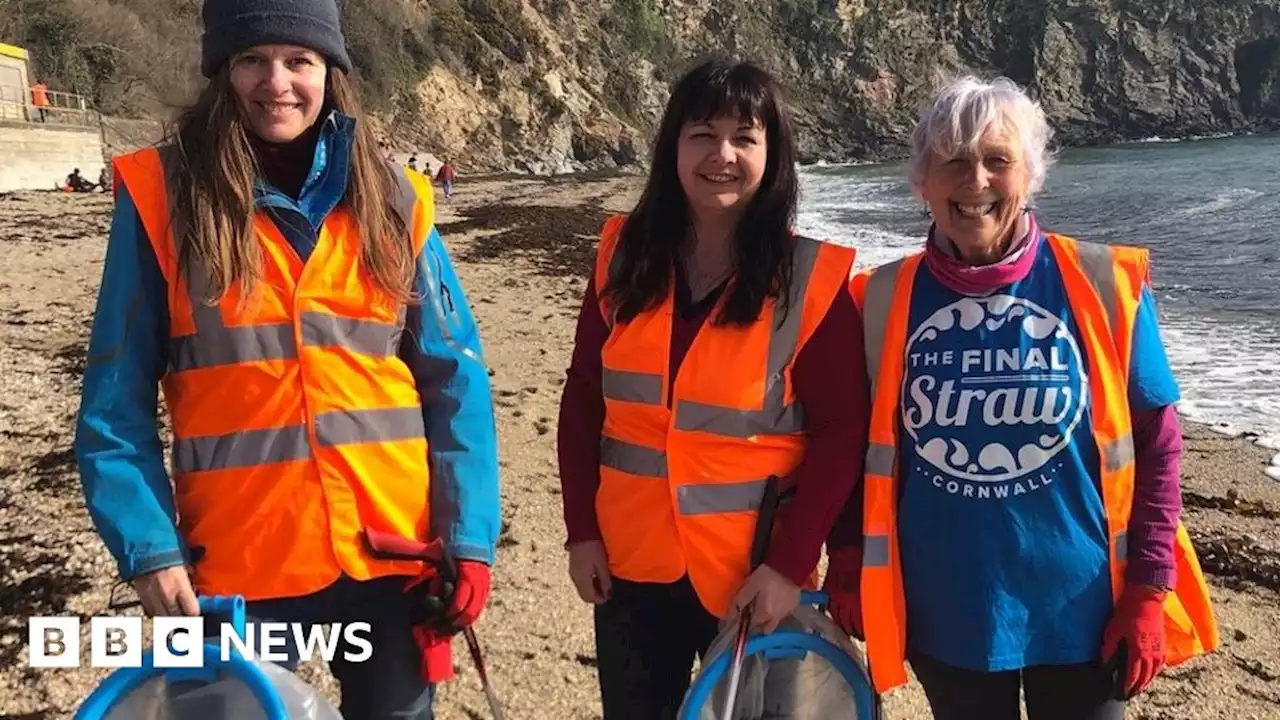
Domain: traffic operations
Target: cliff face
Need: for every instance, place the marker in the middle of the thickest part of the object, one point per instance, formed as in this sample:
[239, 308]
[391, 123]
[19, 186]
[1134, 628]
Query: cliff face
[557, 85]
[594, 75]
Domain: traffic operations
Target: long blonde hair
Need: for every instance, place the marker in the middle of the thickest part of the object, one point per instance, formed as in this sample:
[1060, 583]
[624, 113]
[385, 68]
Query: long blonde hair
[212, 197]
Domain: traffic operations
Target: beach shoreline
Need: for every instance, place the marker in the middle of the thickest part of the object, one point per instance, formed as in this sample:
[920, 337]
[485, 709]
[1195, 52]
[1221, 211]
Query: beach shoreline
[522, 247]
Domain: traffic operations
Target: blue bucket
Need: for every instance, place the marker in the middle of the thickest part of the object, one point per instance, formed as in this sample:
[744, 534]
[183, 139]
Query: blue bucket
[781, 645]
[119, 684]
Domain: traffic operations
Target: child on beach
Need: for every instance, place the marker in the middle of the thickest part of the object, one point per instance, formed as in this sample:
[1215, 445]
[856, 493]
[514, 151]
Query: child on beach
[447, 175]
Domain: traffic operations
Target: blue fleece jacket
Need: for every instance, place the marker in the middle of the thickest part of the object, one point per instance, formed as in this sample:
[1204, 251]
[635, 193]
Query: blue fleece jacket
[118, 447]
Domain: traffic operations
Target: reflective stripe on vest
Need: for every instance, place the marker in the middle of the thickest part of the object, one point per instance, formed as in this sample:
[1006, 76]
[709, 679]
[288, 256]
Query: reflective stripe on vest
[1103, 285]
[721, 497]
[214, 344]
[632, 387]
[260, 447]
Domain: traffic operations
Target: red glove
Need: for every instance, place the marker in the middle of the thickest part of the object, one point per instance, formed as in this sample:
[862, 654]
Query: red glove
[468, 597]
[843, 586]
[471, 594]
[1138, 623]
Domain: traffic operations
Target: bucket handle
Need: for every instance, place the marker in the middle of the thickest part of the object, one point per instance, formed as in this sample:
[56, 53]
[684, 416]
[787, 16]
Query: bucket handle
[125, 680]
[785, 643]
[120, 683]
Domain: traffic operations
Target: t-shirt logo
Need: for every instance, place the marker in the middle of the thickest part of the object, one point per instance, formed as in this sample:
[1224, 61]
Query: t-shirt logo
[994, 388]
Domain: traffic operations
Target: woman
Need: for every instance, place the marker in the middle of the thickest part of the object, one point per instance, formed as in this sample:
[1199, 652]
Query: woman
[288, 290]
[1022, 504]
[710, 354]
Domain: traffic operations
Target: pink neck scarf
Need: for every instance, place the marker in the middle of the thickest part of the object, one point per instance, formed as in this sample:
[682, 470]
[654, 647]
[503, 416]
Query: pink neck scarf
[966, 279]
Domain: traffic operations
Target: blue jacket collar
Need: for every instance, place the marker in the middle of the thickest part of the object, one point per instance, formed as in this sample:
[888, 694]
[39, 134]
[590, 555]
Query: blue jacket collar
[326, 184]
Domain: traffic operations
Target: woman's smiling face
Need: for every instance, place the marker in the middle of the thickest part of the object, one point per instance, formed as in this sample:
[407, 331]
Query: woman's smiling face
[721, 162]
[281, 89]
[977, 196]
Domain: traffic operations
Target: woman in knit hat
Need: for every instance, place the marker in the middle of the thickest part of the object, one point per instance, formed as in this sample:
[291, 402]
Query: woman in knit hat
[287, 289]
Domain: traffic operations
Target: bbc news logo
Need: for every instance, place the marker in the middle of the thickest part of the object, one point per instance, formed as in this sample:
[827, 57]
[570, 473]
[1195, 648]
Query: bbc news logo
[178, 642]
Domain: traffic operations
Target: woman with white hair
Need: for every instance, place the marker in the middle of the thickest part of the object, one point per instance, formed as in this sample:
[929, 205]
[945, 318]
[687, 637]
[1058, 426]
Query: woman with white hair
[1019, 526]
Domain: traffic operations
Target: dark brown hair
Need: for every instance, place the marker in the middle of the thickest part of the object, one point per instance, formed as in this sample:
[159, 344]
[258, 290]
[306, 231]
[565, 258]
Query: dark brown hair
[656, 229]
[213, 191]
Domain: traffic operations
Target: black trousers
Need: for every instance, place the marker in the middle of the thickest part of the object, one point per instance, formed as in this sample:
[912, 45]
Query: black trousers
[1053, 692]
[389, 683]
[647, 636]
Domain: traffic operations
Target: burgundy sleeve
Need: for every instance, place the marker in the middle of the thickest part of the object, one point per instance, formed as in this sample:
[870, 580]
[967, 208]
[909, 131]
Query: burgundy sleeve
[1157, 497]
[581, 422]
[830, 380]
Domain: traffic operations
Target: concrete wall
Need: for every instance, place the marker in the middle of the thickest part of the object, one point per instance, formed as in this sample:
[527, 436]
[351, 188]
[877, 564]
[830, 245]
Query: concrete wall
[122, 136]
[40, 158]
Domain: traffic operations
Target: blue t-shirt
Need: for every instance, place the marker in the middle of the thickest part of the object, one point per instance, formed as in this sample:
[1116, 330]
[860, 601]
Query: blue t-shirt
[1001, 522]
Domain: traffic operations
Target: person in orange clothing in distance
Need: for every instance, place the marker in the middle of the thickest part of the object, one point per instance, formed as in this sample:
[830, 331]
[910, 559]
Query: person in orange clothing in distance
[40, 101]
[712, 352]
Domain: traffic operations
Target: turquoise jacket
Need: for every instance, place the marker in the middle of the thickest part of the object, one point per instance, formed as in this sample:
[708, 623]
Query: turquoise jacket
[117, 446]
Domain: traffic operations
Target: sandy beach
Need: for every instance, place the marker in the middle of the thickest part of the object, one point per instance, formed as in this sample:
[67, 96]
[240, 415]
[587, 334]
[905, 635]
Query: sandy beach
[523, 248]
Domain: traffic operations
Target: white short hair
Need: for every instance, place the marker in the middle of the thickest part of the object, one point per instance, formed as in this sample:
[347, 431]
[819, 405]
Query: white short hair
[963, 111]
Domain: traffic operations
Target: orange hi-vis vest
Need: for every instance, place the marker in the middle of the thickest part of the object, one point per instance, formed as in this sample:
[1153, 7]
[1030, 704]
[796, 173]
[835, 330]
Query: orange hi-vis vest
[295, 424]
[679, 491]
[1103, 285]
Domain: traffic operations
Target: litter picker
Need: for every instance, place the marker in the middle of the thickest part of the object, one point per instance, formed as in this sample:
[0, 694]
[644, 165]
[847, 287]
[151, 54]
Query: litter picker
[759, 545]
[393, 547]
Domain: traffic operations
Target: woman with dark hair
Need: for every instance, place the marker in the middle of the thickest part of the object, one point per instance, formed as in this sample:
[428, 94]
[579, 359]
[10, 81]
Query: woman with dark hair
[713, 351]
[287, 288]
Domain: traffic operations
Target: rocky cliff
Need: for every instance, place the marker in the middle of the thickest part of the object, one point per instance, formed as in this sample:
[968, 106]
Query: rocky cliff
[555, 85]
[592, 76]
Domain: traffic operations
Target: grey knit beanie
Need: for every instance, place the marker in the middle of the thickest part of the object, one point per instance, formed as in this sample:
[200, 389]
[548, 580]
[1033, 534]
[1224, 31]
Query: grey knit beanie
[231, 26]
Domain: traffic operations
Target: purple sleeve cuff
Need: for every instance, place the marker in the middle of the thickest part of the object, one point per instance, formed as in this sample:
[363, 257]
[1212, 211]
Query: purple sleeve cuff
[1157, 497]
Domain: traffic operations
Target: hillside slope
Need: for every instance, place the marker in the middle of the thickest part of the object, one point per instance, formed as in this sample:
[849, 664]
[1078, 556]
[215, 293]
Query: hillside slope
[565, 84]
